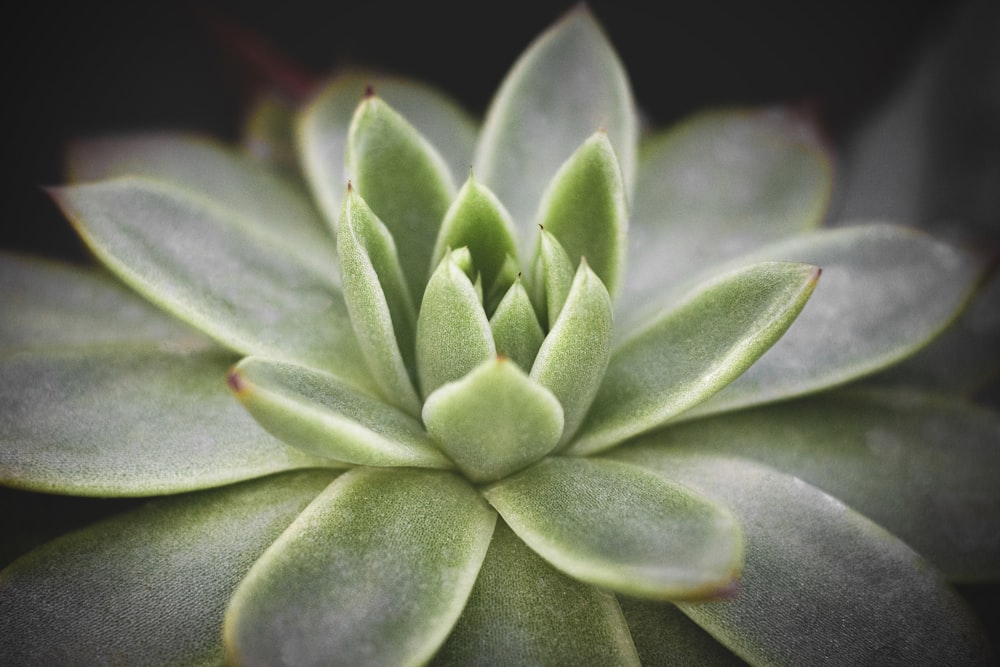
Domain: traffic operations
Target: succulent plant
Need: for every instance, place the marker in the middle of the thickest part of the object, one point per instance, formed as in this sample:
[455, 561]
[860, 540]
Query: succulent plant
[517, 394]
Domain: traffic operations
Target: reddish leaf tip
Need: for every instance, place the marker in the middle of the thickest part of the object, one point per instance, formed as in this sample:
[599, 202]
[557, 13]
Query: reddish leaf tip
[235, 381]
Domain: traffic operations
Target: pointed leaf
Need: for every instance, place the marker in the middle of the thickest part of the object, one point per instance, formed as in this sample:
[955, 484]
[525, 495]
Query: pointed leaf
[453, 334]
[201, 264]
[375, 572]
[515, 327]
[821, 583]
[694, 349]
[575, 353]
[621, 527]
[663, 635]
[404, 181]
[148, 587]
[379, 301]
[523, 612]
[129, 422]
[886, 292]
[554, 272]
[526, 420]
[584, 207]
[317, 413]
[566, 86]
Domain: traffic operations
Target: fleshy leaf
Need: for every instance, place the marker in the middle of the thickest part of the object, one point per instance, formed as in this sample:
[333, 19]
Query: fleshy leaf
[504, 622]
[453, 334]
[584, 207]
[217, 273]
[566, 86]
[379, 301]
[922, 467]
[318, 413]
[717, 185]
[404, 181]
[268, 132]
[516, 332]
[322, 130]
[886, 292]
[694, 349]
[663, 635]
[621, 527]
[821, 583]
[574, 354]
[526, 420]
[554, 273]
[129, 422]
[379, 567]
[149, 587]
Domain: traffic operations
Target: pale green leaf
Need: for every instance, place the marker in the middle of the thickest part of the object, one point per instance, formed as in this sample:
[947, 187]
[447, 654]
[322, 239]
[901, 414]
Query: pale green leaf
[663, 635]
[453, 334]
[525, 420]
[718, 185]
[694, 349]
[554, 272]
[206, 267]
[523, 612]
[129, 422]
[516, 332]
[149, 587]
[621, 527]
[821, 583]
[924, 468]
[403, 179]
[375, 572]
[584, 207]
[566, 86]
[886, 292]
[379, 302]
[317, 413]
[269, 132]
[575, 353]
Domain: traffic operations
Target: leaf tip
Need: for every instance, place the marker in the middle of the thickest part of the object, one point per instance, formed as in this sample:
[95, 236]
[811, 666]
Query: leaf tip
[369, 92]
[235, 381]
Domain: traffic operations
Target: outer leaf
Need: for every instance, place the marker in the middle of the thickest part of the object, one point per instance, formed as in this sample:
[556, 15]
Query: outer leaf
[523, 612]
[922, 467]
[886, 292]
[47, 304]
[379, 301]
[404, 181]
[129, 422]
[717, 185]
[574, 355]
[821, 584]
[526, 420]
[515, 327]
[584, 207]
[693, 350]
[620, 527]
[221, 276]
[322, 130]
[317, 413]
[663, 635]
[566, 86]
[148, 587]
[379, 568]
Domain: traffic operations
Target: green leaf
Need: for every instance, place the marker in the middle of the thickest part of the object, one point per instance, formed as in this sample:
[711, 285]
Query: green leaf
[920, 466]
[453, 334]
[694, 349]
[45, 304]
[663, 635]
[324, 123]
[886, 292]
[584, 207]
[317, 413]
[526, 420]
[404, 181]
[566, 86]
[149, 587]
[129, 422]
[217, 273]
[523, 612]
[379, 302]
[375, 572]
[621, 527]
[516, 332]
[268, 133]
[717, 185]
[554, 272]
[574, 354]
[821, 583]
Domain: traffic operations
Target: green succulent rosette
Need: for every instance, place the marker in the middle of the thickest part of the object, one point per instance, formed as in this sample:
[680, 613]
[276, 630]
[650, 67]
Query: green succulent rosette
[526, 393]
